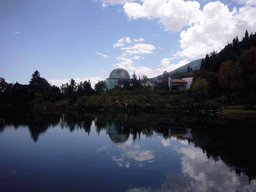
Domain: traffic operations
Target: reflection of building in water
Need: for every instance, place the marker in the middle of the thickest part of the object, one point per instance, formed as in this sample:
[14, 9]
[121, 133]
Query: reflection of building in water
[117, 134]
[188, 135]
[173, 132]
[148, 132]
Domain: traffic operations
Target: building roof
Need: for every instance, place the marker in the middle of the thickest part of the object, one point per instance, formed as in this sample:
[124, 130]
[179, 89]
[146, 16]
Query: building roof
[173, 81]
[178, 81]
[119, 73]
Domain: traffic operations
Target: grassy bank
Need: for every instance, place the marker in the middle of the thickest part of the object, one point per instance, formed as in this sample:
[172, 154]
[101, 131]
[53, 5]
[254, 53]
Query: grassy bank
[235, 113]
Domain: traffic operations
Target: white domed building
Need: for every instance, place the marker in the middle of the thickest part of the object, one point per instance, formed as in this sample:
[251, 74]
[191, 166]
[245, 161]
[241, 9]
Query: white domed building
[117, 78]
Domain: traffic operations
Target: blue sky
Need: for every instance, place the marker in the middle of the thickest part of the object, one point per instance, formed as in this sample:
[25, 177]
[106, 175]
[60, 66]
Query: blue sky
[88, 39]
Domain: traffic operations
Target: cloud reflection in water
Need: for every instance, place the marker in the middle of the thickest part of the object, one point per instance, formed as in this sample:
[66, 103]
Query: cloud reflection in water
[133, 152]
[200, 173]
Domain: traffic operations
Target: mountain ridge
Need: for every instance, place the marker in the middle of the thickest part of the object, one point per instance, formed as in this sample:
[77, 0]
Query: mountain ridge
[195, 65]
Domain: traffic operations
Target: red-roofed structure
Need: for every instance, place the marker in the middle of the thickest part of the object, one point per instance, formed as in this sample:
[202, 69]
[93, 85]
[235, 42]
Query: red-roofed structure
[177, 84]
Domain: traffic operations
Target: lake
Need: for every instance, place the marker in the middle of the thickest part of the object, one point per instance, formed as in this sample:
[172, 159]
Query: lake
[125, 152]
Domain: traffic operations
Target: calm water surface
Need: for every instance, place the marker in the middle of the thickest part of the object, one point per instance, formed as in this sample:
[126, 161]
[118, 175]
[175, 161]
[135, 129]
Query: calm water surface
[118, 153]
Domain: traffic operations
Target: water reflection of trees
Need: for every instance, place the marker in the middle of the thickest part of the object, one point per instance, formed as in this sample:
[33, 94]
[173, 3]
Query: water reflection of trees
[125, 124]
[231, 141]
[77, 121]
[37, 123]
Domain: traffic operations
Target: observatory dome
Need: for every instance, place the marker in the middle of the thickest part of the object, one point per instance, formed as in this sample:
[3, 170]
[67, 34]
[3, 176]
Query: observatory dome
[119, 74]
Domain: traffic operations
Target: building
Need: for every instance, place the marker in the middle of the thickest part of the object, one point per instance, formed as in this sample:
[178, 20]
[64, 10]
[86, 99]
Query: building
[189, 81]
[118, 78]
[148, 83]
[176, 84]
[117, 134]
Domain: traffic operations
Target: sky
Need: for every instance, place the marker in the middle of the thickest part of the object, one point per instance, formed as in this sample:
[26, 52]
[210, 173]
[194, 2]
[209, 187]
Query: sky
[87, 39]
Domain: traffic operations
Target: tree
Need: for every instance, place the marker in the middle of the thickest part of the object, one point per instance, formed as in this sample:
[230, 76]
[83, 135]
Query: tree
[39, 84]
[80, 90]
[54, 93]
[214, 89]
[200, 89]
[224, 75]
[237, 82]
[87, 87]
[35, 78]
[3, 84]
[71, 87]
[73, 84]
[136, 83]
[134, 76]
[144, 77]
[100, 86]
[165, 75]
[68, 89]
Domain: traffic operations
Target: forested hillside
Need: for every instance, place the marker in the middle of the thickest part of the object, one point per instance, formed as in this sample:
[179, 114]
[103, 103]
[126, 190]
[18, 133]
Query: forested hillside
[193, 65]
[232, 71]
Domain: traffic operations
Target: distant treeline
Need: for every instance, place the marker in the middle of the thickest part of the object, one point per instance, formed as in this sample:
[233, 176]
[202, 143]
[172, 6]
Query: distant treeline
[232, 71]
[39, 90]
[75, 95]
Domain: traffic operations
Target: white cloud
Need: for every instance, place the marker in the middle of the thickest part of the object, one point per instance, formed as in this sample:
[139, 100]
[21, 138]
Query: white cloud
[166, 142]
[113, 2]
[149, 72]
[139, 40]
[208, 175]
[17, 33]
[138, 156]
[139, 48]
[125, 63]
[172, 14]
[248, 2]
[202, 174]
[142, 70]
[128, 40]
[165, 62]
[118, 45]
[106, 56]
[134, 52]
[165, 66]
[121, 42]
[183, 142]
[215, 28]
[138, 57]
[208, 29]
[59, 82]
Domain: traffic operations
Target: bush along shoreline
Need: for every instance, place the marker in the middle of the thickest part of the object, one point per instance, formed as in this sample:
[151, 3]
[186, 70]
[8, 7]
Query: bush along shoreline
[140, 100]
